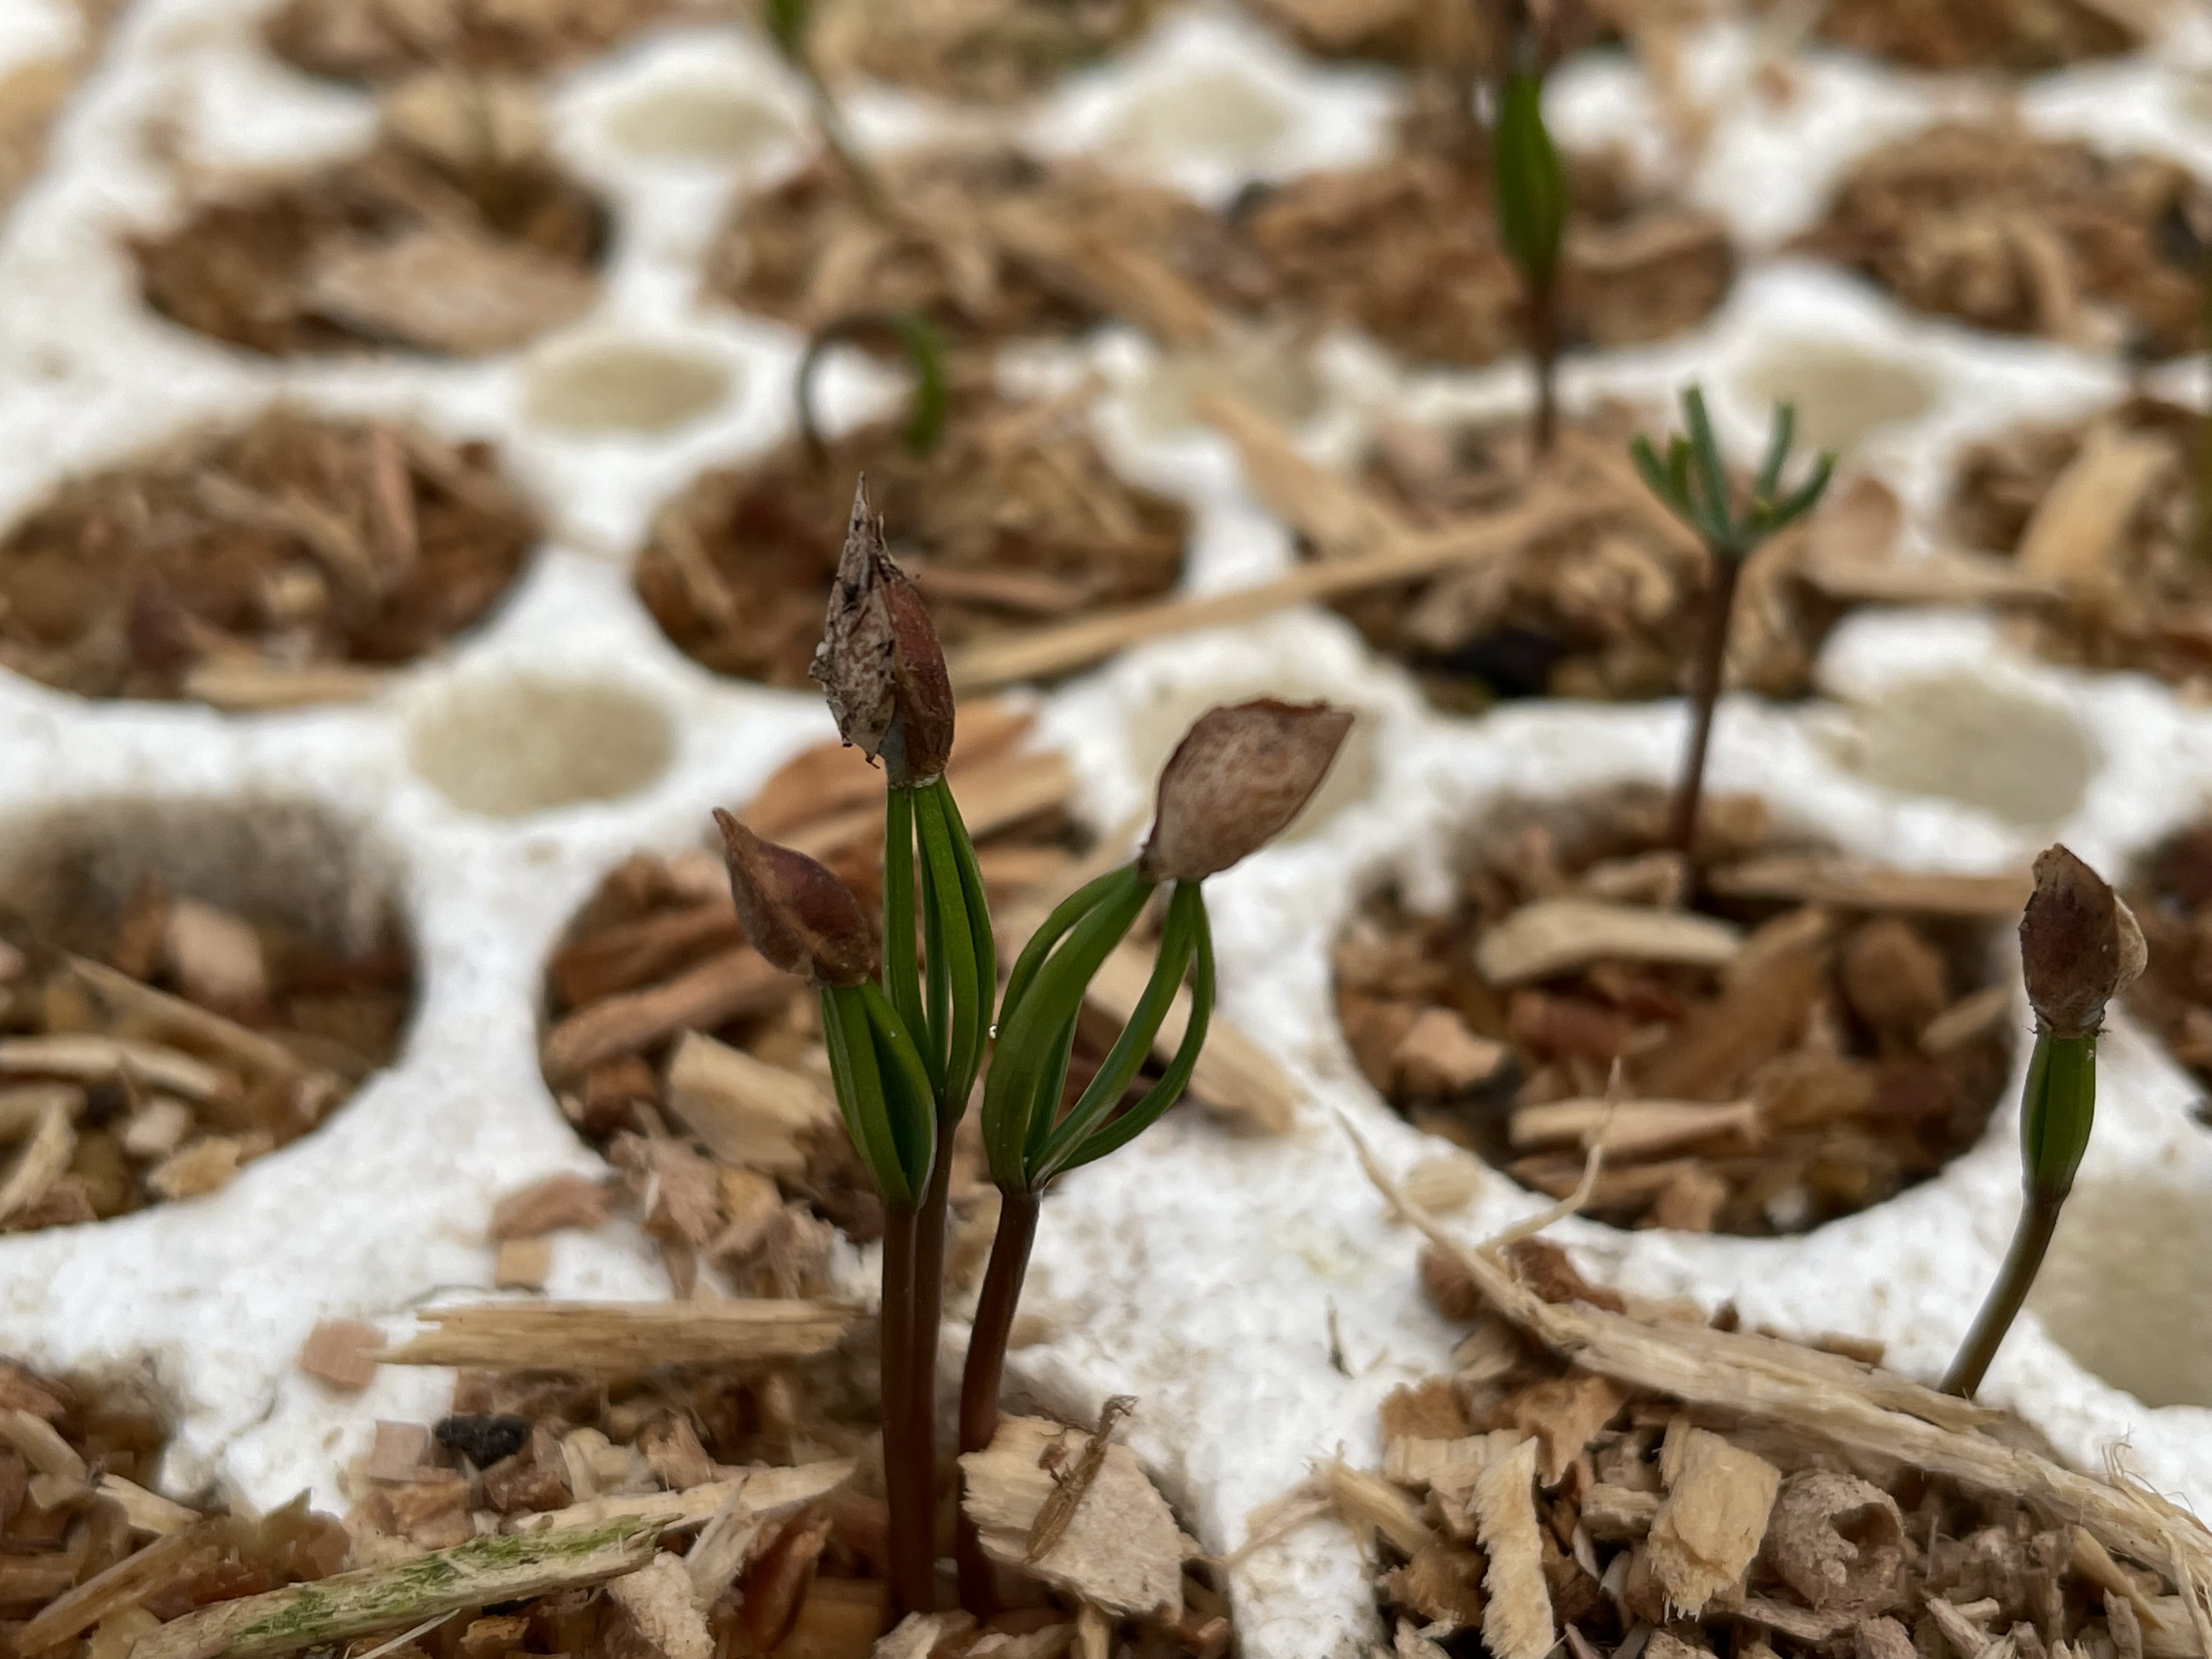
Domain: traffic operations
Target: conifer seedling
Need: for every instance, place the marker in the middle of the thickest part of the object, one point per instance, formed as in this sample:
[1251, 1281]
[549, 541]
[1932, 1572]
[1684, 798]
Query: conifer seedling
[790, 26]
[1694, 485]
[908, 1022]
[924, 349]
[1528, 194]
[2079, 948]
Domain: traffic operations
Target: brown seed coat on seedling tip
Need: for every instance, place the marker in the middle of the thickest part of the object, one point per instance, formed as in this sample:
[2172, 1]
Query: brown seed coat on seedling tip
[879, 664]
[797, 914]
[1240, 776]
[2079, 945]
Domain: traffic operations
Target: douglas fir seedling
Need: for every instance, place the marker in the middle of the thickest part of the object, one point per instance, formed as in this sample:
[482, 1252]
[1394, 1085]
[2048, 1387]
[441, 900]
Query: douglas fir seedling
[908, 1022]
[790, 26]
[924, 347]
[2079, 948]
[1529, 194]
[1694, 485]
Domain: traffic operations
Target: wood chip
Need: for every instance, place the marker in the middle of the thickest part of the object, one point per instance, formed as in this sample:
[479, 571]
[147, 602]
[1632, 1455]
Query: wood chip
[198, 1167]
[1619, 1512]
[146, 1511]
[751, 1494]
[1016, 656]
[215, 956]
[1634, 1129]
[1516, 1624]
[243, 685]
[397, 1453]
[521, 1264]
[599, 1337]
[1557, 936]
[1709, 1527]
[547, 1206]
[1121, 1551]
[724, 988]
[485, 1571]
[748, 1113]
[1836, 1541]
[441, 288]
[120, 1586]
[43, 1158]
[663, 1610]
[1818, 879]
[1973, 1015]
[2075, 537]
[61, 1472]
[342, 1353]
[85, 1058]
[1565, 1414]
[1439, 1055]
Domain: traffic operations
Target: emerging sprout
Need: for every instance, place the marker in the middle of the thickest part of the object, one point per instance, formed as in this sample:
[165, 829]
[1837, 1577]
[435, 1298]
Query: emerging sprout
[907, 1048]
[1529, 192]
[925, 355]
[2079, 948]
[790, 25]
[1694, 485]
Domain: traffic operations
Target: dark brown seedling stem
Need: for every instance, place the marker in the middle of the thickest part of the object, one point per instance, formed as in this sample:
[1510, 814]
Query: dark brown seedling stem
[1706, 695]
[986, 1365]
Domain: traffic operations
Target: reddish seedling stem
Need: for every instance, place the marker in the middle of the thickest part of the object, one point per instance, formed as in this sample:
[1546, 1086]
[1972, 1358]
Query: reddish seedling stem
[1712, 658]
[913, 1580]
[987, 1366]
[928, 1315]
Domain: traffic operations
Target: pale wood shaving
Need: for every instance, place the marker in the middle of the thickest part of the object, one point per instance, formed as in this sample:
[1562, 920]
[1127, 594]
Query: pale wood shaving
[617, 1336]
[146, 1511]
[1121, 1551]
[547, 1205]
[751, 1494]
[1517, 1623]
[662, 1609]
[119, 1586]
[61, 1471]
[1856, 1411]
[1710, 1525]
[1819, 878]
[43, 1158]
[1556, 936]
[748, 1112]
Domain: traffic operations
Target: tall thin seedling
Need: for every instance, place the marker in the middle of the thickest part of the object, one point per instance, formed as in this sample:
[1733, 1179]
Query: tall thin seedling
[790, 26]
[1528, 195]
[1694, 486]
[2079, 948]
[908, 1022]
